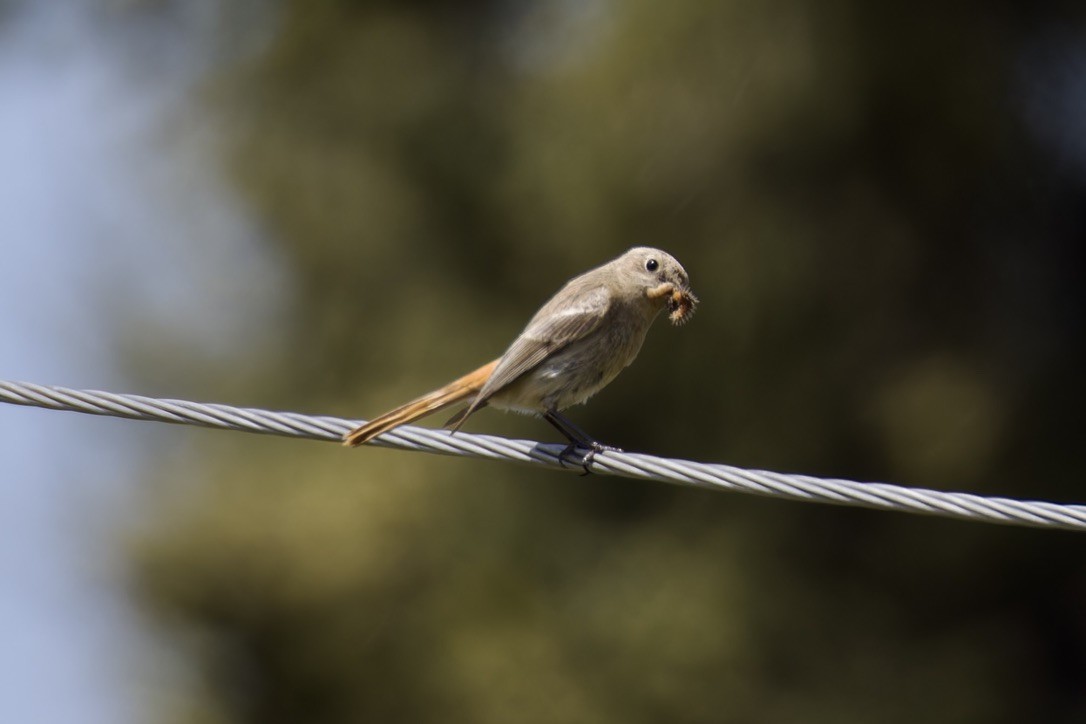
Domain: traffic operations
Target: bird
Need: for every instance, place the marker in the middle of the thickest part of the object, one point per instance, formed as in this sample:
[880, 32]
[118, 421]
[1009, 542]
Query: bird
[573, 347]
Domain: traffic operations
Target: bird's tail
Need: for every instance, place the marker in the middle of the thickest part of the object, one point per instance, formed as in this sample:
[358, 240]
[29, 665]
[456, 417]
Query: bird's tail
[450, 394]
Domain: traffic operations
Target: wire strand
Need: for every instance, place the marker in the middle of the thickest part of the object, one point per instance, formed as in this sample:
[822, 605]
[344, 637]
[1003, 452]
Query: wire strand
[962, 506]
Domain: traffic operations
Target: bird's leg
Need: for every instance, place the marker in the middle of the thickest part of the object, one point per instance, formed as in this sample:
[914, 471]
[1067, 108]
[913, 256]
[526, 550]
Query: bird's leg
[577, 438]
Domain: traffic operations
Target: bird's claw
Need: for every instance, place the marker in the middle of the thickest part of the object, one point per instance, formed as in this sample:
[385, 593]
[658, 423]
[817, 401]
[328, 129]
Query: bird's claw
[586, 460]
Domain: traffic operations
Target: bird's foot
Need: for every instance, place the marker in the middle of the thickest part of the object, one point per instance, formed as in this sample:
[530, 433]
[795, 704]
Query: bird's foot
[585, 460]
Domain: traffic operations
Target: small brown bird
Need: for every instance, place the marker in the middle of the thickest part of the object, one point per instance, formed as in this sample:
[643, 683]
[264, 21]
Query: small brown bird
[571, 349]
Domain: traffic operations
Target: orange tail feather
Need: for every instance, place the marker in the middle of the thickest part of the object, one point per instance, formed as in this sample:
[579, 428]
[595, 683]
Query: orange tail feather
[450, 394]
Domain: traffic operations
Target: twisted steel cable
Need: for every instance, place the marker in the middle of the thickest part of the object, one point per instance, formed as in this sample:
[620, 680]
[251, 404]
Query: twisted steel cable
[963, 506]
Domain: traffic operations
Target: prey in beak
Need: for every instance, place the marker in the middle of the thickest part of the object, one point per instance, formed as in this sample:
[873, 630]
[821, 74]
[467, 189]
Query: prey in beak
[680, 302]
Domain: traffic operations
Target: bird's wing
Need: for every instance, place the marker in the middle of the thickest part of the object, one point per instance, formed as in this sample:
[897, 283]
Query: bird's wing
[554, 327]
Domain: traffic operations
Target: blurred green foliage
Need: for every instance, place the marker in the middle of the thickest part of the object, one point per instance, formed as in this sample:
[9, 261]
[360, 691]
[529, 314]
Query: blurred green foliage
[890, 273]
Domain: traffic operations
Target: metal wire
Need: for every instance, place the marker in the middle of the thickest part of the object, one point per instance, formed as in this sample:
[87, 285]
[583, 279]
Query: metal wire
[963, 506]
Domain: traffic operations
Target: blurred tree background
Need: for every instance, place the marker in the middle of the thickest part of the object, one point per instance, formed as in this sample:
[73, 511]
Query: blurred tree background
[881, 206]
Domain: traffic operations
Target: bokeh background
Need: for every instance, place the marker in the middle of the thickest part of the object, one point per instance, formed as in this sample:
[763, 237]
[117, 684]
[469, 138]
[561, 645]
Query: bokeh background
[330, 206]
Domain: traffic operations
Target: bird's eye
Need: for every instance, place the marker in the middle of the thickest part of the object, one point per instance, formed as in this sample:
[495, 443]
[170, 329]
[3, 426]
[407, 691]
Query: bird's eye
[652, 265]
